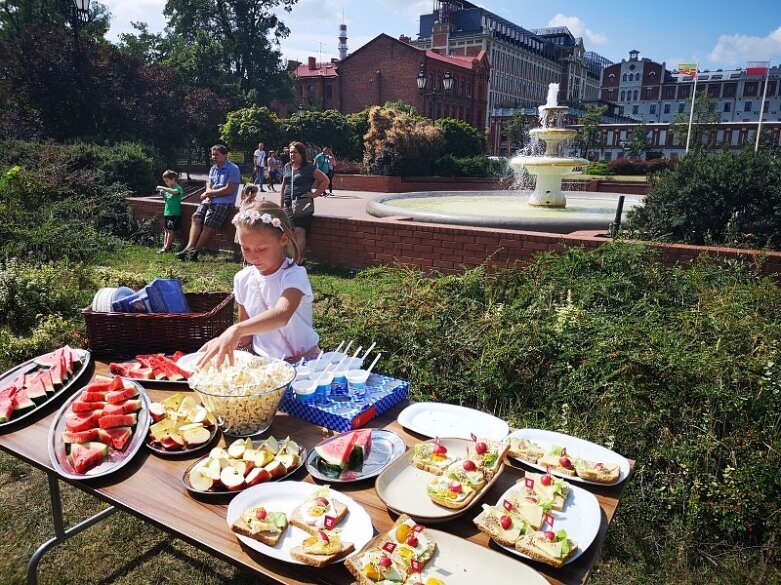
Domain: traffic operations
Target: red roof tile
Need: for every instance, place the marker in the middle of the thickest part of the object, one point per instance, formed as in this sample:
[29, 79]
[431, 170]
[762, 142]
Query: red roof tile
[322, 70]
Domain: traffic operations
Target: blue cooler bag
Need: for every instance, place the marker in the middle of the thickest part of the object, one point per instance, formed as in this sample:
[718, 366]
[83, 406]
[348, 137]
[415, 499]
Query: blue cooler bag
[166, 296]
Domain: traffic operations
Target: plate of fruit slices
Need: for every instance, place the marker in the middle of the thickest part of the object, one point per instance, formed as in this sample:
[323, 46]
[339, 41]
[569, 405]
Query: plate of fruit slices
[356, 527]
[180, 425]
[91, 438]
[155, 369]
[27, 387]
[575, 448]
[243, 464]
[580, 518]
[354, 455]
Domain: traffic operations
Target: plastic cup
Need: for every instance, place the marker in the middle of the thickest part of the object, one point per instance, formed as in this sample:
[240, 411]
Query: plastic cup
[305, 390]
[331, 357]
[353, 363]
[303, 372]
[339, 384]
[356, 380]
[323, 388]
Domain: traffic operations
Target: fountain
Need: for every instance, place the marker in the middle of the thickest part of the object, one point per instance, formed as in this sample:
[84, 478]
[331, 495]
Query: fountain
[549, 169]
[546, 209]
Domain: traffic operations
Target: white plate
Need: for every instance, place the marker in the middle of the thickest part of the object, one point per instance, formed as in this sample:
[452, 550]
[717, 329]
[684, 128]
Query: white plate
[581, 519]
[575, 448]
[285, 497]
[187, 362]
[387, 446]
[434, 419]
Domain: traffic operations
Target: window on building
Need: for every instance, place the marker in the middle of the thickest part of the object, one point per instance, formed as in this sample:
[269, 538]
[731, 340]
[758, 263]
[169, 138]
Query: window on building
[680, 108]
[310, 88]
[669, 92]
[623, 95]
[747, 106]
[612, 77]
[750, 88]
[329, 91]
[636, 95]
[653, 108]
[729, 90]
[648, 92]
[728, 107]
[623, 78]
[610, 94]
[666, 108]
[652, 75]
[635, 109]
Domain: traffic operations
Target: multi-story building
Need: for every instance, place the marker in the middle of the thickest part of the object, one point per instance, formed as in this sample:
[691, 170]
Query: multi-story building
[317, 84]
[523, 62]
[647, 92]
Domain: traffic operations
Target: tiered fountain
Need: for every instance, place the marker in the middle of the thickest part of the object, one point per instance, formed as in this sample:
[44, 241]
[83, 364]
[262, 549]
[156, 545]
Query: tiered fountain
[545, 210]
[549, 169]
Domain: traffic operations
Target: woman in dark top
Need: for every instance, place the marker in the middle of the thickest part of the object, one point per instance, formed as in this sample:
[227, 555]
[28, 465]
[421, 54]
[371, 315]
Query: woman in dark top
[298, 179]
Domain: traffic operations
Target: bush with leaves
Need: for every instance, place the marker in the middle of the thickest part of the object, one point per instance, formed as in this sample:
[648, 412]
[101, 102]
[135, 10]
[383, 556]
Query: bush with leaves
[329, 128]
[732, 198]
[400, 144]
[637, 167]
[244, 129]
[461, 138]
[471, 166]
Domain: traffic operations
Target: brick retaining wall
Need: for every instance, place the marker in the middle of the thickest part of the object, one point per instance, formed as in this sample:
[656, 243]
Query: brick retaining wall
[358, 243]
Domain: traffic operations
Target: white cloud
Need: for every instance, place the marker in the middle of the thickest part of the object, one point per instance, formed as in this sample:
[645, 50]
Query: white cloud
[578, 28]
[124, 12]
[737, 49]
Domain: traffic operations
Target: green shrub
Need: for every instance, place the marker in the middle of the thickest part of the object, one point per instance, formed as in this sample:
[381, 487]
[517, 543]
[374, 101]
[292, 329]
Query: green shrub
[50, 332]
[598, 168]
[461, 139]
[637, 167]
[675, 368]
[732, 198]
[470, 166]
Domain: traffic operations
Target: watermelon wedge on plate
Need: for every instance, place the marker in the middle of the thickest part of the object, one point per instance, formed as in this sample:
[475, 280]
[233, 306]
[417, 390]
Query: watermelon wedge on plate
[355, 455]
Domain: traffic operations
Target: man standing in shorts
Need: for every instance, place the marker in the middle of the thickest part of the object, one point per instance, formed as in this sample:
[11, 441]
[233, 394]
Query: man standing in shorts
[217, 202]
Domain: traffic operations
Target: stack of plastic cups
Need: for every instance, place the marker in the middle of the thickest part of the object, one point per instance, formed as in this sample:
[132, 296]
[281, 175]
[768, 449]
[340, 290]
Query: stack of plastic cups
[323, 388]
[356, 380]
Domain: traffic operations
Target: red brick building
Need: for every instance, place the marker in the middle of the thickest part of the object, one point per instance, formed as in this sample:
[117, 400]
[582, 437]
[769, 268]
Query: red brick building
[386, 69]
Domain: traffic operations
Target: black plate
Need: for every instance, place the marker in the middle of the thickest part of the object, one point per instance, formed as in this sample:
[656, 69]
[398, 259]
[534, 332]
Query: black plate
[117, 459]
[77, 380]
[223, 492]
[161, 452]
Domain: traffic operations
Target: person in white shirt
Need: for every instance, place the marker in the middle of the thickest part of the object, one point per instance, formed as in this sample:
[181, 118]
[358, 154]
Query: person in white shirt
[259, 160]
[273, 293]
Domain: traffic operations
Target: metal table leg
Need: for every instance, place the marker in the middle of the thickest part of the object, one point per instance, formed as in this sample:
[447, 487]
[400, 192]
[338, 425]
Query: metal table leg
[61, 534]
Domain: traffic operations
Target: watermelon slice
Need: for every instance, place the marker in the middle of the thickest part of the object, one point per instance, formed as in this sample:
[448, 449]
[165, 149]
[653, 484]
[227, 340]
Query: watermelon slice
[22, 402]
[116, 384]
[88, 396]
[85, 456]
[57, 374]
[87, 420]
[6, 409]
[116, 437]
[126, 407]
[141, 374]
[70, 358]
[64, 369]
[111, 421]
[50, 359]
[96, 386]
[163, 366]
[46, 379]
[177, 356]
[336, 453]
[79, 406]
[361, 449]
[118, 396]
[35, 389]
[85, 436]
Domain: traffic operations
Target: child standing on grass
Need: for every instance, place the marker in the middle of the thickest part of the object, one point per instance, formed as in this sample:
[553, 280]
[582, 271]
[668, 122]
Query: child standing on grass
[173, 193]
[273, 293]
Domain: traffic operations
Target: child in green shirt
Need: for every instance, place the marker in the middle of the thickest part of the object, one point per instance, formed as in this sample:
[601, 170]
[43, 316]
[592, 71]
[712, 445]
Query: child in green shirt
[173, 193]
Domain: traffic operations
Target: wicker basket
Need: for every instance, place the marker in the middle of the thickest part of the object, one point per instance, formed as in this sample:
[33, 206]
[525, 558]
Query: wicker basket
[120, 335]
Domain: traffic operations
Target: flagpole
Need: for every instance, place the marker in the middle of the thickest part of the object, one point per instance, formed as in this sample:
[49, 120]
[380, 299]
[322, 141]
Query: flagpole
[762, 110]
[691, 114]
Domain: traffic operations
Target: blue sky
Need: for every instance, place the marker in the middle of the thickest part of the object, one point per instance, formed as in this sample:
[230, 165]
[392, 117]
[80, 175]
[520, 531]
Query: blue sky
[713, 33]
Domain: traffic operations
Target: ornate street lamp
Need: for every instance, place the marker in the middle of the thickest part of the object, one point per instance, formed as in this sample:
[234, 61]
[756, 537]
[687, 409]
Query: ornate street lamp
[422, 81]
[79, 17]
[301, 110]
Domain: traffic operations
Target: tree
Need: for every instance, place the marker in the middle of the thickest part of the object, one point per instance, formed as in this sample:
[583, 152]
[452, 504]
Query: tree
[638, 142]
[148, 47]
[244, 129]
[704, 123]
[18, 15]
[329, 128]
[461, 138]
[231, 39]
[517, 129]
[590, 136]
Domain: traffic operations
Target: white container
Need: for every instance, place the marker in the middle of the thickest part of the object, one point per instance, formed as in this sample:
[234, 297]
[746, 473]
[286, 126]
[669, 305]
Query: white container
[305, 390]
[356, 382]
[303, 372]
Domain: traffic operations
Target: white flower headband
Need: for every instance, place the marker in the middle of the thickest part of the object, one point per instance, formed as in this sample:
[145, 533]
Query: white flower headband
[253, 216]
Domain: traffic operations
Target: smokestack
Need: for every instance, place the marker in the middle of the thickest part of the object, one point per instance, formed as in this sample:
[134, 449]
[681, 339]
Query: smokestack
[312, 63]
[342, 42]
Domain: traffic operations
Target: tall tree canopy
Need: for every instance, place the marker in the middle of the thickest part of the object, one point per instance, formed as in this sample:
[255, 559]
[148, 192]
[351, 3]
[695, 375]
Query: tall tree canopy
[17, 15]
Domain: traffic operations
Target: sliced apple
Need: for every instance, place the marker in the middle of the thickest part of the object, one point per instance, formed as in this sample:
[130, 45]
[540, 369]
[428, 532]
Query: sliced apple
[263, 458]
[189, 426]
[187, 405]
[196, 436]
[257, 476]
[177, 438]
[272, 445]
[218, 453]
[249, 454]
[199, 480]
[156, 411]
[168, 443]
[173, 402]
[160, 430]
[288, 460]
[237, 448]
[212, 468]
[240, 466]
[275, 469]
[293, 447]
[199, 414]
[231, 478]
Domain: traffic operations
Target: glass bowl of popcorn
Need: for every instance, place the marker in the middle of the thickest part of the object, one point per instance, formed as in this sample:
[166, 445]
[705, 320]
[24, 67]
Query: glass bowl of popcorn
[244, 397]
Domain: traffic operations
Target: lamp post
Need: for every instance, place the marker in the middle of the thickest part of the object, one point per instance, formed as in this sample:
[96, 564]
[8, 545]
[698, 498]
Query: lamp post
[447, 85]
[79, 17]
[301, 110]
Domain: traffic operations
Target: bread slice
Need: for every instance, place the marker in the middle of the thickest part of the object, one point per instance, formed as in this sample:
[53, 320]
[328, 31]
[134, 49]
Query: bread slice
[399, 535]
[551, 459]
[553, 495]
[424, 458]
[597, 472]
[266, 532]
[525, 449]
[315, 553]
[489, 522]
[533, 545]
[310, 515]
[491, 459]
[474, 479]
[439, 493]
[365, 568]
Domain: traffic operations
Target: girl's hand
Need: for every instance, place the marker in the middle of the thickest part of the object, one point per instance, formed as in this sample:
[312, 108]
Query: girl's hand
[221, 347]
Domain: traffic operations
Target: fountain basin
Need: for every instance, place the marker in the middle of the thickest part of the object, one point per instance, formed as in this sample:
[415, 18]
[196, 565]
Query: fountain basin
[503, 209]
[549, 170]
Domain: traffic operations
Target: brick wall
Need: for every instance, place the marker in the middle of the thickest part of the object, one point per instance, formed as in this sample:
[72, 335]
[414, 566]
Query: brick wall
[359, 243]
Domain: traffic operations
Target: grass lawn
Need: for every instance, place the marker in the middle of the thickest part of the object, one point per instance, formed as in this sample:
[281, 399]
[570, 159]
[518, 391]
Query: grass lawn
[124, 550]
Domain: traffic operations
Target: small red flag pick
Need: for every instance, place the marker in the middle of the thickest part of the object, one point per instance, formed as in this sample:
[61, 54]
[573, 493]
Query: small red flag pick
[529, 482]
[549, 520]
[329, 522]
[389, 547]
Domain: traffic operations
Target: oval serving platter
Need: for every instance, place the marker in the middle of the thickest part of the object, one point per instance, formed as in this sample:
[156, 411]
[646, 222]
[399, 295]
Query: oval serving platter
[575, 448]
[435, 419]
[76, 380]
[226, 492]
[386, 447]
[117, 459]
